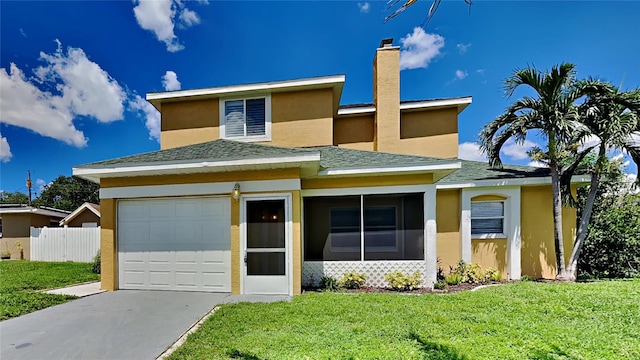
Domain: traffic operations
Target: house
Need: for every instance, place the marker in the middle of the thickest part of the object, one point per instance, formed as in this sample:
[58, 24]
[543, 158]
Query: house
[86, 215]
[264, 188]
[16, 221]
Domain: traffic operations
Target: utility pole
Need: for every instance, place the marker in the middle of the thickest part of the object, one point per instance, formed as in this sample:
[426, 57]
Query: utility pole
[29, 185]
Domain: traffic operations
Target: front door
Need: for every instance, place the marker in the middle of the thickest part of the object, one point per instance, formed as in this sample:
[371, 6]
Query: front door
[266, 237]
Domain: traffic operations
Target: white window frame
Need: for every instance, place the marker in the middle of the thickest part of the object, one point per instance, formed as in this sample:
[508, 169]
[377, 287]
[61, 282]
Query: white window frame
[267, 119]
[497, 235]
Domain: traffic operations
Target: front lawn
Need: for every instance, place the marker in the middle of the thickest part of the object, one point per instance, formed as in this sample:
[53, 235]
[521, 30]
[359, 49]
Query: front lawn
[526, 320]
[19, 281]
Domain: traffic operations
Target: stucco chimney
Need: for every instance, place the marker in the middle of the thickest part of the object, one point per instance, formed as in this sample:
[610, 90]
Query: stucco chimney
[386, 96]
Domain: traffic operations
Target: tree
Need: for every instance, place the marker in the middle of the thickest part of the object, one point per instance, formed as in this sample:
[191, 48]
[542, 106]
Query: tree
[612, 246]
[432, 9]
[13, 198]
[67, 193]
[613, 118]
[552, 112]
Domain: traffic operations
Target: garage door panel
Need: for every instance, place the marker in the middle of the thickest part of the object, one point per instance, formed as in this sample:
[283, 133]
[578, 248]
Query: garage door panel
[175, 244]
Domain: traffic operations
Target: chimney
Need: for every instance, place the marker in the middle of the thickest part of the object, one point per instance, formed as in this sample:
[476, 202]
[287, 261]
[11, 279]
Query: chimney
[386, 96]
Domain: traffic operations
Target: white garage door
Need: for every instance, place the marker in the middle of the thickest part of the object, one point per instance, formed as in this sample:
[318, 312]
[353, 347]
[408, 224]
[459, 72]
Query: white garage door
[174, 244]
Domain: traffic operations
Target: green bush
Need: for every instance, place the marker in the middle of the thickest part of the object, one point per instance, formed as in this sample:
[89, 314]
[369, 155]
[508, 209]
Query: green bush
[526, 278]
[352, 280]
[95, 267]
[492, 274]
[403, 282]
[470, 273]
[439, 286]
[453, 279]
[329, 283]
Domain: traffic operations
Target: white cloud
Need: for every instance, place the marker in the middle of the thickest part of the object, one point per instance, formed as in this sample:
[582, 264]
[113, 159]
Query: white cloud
[82, 88]
[23, 33]
[461, 74]
[480, 71]
[462, 48]
[161, 17]
[538, 164]
[470, 151]
[364, 7]
[590, 141]
[517, 151]
[40, 184]
[189, 18]
[5, 150]
[170, 81]
[419, 49]
[151, 114]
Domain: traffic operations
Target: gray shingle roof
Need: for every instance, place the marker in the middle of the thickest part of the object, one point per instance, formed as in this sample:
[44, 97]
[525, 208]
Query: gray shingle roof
[220, 150]
[337, 157]
[475, 170]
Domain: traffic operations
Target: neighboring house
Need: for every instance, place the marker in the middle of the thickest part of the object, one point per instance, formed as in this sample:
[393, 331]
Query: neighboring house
[86, 215]
[264, 188]
[16, 221]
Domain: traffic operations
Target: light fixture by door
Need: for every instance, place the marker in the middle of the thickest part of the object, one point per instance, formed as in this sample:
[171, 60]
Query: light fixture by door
[236, 192]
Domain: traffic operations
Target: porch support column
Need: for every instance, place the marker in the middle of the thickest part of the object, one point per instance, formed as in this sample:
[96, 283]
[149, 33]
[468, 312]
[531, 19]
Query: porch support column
[465, 226]
[430, 232]
[514, 244]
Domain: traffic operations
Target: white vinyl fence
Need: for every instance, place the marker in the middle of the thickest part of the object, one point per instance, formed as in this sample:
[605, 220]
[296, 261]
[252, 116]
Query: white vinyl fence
[64, 244]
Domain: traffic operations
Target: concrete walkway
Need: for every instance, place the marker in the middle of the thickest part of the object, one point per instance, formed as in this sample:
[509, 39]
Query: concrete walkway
[125, 324]
[81, 290]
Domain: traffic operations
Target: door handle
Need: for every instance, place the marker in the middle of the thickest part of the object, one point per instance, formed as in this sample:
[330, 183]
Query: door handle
[245, 258]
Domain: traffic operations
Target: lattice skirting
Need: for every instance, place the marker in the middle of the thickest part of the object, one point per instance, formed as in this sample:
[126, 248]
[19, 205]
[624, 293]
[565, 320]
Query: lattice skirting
[313, 271]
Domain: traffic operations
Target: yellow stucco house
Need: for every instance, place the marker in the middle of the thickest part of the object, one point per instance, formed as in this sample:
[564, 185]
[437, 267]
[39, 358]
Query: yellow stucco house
[264, 188]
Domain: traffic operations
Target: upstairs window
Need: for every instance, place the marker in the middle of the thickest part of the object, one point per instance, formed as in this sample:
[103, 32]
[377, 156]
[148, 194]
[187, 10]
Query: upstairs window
[246, 119]
[487, 218]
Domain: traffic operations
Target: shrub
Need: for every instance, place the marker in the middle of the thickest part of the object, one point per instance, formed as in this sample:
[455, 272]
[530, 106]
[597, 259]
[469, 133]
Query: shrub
[329, 283]
[492, 274]
[453, 279]
[471, 273]
[403, 282]
[526, 278]
[352, 280]
[95, 267]
[439, 286]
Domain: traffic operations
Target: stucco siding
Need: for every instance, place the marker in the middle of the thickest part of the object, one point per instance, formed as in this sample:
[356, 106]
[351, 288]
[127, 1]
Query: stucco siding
[538, 250]
[394, 180]
[386, 97]
[448, 228]
[303, 118]
[108, 248]
[189, 122]
[354, 130]
[429, 133]
[86, 216]
[490, 253]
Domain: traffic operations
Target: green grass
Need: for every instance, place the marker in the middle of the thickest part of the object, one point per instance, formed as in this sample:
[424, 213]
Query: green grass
[19, 281]
[526, 320]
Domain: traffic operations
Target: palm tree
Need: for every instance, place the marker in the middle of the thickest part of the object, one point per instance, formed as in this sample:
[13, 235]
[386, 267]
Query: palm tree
[613, 118]
[553, 113]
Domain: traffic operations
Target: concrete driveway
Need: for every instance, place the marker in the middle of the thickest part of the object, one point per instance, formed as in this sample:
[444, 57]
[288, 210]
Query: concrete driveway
[124, 324]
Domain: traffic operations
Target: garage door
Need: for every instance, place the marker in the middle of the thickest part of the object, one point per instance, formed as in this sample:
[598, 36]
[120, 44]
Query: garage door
[174, 244]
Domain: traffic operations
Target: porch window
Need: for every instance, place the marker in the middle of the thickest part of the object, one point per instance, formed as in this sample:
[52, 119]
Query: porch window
[366, 227]
[487, 218]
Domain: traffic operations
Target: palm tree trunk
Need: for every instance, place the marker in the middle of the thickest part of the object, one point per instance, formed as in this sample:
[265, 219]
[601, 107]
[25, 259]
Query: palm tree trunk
[586, 214]
[557, 220]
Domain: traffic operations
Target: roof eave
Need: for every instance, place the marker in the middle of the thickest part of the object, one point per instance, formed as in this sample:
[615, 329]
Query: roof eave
[530, 181]
[336, 82]
[440, 170]
[307, 162]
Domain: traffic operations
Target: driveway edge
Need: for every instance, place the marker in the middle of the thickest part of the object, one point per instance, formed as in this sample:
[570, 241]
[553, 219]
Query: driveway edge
[184, 336]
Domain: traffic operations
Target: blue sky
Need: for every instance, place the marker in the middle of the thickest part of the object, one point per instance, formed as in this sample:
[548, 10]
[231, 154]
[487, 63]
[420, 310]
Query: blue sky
[74, 74]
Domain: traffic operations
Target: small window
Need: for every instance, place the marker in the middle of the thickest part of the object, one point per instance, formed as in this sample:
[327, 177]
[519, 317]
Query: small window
[487, 217]
[246, 119]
